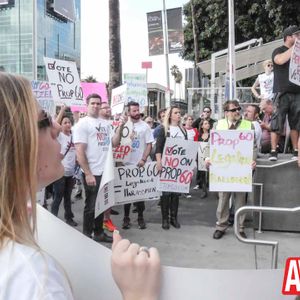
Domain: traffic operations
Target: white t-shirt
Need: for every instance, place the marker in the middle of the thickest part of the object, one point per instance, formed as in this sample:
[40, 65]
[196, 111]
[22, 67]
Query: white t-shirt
[96, 133]
[176, 132]
[258, 133]
[266, 85]
[29, 274]
[66, 142]
[141, 136]
[191, 133]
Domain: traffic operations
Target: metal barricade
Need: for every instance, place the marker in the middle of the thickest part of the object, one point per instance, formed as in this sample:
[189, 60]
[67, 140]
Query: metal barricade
[273, 244]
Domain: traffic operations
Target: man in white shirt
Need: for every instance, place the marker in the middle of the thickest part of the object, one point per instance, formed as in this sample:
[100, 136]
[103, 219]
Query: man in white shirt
[92, 136]
[252, 114]
[142, 140]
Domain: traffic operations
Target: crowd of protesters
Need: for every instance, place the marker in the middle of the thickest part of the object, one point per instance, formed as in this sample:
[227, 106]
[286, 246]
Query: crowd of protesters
[34, 161]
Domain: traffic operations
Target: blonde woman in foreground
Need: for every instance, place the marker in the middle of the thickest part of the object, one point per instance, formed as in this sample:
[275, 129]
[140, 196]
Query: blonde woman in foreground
[30, 159]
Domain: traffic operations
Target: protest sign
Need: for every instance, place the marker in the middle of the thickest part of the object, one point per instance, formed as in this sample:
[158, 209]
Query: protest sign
[91, 88]
[122, 152]
[231, 155]
[178, 162]
[118, 99]
[136, 89]
[203, 152]
[105, 197]
[294, 71]
[136, 183]
[42, 92]
[64, 81]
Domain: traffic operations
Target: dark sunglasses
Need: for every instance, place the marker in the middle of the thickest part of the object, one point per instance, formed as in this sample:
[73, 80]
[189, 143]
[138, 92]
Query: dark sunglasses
[270, 65]
[234, 109]
[46, 121]
[206, 111]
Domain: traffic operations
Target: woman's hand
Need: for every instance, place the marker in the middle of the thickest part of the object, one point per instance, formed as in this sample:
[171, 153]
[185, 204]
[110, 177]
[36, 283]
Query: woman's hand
[158, 166]
[135, 271]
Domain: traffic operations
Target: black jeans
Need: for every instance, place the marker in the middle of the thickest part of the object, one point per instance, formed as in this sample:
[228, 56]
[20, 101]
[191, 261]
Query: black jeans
[90, 223]
[140, 206]
[62, 188]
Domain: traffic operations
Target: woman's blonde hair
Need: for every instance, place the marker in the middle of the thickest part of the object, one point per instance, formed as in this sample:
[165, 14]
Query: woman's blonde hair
[167, 119]
[18, 159]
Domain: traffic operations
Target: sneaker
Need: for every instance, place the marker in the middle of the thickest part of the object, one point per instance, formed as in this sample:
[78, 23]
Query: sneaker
[126, 223]
[197, 187]
[109, 225]
[141, 222]
[103, 238]
[113, 212]
[188, 196]
[295, 155]
[71, 222]
[273, 155]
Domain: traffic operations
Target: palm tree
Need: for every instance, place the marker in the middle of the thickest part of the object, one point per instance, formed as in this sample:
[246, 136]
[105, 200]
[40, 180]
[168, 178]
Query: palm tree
[175, 72]
[90, 78]
[115, 61]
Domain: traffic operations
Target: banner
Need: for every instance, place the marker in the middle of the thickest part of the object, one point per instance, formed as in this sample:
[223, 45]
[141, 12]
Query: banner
[231, 155]
[175, 32]
[203, 152]
[136, 89]
[118, 99]
[155, 33]
[64, 81]
[178, 161]
[134, 183]
[42, 92]
[122, 152]
[105, 197]
[294, 71]
[91, 88]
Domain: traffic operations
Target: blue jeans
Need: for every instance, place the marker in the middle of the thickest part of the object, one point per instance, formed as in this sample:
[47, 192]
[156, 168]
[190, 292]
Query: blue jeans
[62, 188]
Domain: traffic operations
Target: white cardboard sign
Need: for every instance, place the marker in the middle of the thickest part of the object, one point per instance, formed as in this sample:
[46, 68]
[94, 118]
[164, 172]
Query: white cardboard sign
[178, 163]
[134, 183]
[203, 152]
[64, 81]
[231, 156]
[294, 71]
[118, 99]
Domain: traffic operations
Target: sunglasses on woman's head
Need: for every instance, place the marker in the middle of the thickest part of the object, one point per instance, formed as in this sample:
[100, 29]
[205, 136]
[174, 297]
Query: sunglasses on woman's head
[270, 65]
[46, 121]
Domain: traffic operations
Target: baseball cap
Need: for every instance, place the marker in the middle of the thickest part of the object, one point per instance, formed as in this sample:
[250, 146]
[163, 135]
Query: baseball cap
[291, 30]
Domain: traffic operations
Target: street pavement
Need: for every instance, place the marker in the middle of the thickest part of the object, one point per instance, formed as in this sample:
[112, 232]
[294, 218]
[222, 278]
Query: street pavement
[192, 245]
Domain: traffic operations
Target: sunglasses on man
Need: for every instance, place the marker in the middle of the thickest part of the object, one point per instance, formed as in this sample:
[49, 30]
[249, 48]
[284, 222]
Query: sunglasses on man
[234, 109]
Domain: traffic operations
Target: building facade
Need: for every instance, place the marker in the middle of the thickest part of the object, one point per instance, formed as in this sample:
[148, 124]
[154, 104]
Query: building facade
[32, 29]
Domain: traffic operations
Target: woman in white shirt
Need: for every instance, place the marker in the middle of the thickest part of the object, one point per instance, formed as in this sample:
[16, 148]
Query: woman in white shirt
[62, 188]
[30, 159]
[171, 128]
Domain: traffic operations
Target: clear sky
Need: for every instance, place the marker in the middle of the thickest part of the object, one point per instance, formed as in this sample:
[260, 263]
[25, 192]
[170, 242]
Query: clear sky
[134, 39]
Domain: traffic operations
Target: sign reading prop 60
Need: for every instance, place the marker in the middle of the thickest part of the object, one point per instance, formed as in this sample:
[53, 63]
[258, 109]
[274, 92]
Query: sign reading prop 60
[178, 163]
[136, 183]
[64, 79]
[231, 155]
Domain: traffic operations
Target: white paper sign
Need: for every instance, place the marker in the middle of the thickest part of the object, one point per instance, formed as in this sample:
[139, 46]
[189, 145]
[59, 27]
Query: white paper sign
[294, 71]
[133, 183]
[105, 197]
[203, 152]
[122, 152]
[118, 99]
[88, 267]
[231, 155]
[136, 89]
[42, 93]
[64, 81]
[178, 161]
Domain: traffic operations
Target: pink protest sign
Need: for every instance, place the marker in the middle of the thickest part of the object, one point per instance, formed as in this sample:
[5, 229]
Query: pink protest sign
[90, 88]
